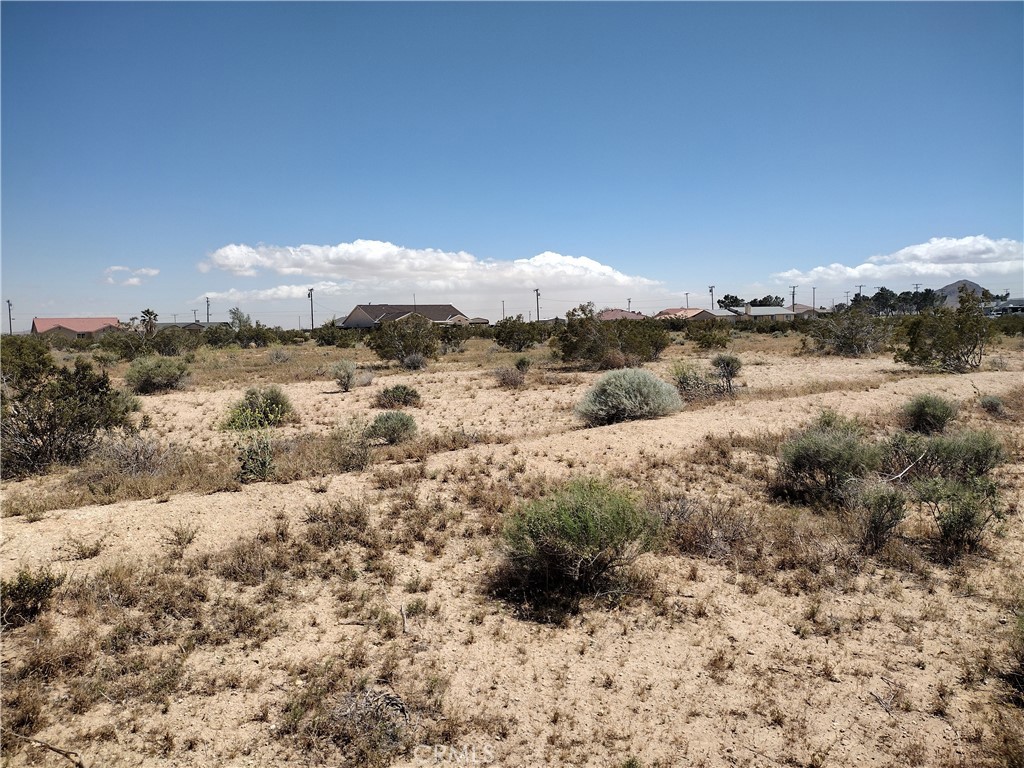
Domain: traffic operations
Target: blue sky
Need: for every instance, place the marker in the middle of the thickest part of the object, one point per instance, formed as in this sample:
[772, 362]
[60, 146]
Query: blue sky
[156, 154]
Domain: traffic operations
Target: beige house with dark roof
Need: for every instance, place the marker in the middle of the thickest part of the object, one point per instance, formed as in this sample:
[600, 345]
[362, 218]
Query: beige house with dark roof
[372, 315]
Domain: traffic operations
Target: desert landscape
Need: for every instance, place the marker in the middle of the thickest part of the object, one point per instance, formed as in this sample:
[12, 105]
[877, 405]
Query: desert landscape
[353, 617]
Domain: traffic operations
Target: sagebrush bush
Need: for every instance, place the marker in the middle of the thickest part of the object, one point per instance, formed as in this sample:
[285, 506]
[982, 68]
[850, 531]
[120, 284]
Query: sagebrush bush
[817, 465]
[693, 384]
[134, 455]
[510, 378]
[393, 427]
[155, 374]
[962, 511]
[993, 405]
[877, 509]
[397, 396]
[626, 395]
[23, 597]
[261, 407]
[344, 372]
[414, 362]
[928, 414]
[728, 368]
[576, 541]
[255, 457]
[961, 456]
[523, 364]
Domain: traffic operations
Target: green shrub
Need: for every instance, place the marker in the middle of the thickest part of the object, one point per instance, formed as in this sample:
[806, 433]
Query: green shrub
[928, 414]
[510, 378]
[817, 465]
[24, 597]
[397, 396]
[24, 359]
[962, 512]
[344, 372]
[946, 339]
[155, 374]
[516, 334]
[174, 341]
[576, 541]
[694, 384]
[523, 364]
[626, 395]
[392, 427]
[414, 362]
[261, 407]
[255, 457]
[712, 339]
[587, 339]
[878, 509]
[396, 340]
[58, 418]
[850, 333]
[728, 368]
[992, 405]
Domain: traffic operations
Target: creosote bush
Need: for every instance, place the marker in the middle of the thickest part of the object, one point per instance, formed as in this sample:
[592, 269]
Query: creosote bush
[393, 427]
[261, 407]
[344, 372]
[155, 374]
[397, 396]
[728, 368]
[510, 378]
[577, 541]
[992, 405]
[877, 510]
[627, 395]
[928, 414]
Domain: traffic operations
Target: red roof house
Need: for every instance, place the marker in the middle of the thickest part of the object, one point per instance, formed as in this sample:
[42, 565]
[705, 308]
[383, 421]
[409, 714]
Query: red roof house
[74, 327]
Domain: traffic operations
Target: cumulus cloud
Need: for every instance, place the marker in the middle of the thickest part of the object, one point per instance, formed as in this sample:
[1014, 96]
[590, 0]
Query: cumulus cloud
[121, 275]
[382, 271]
[940, 259]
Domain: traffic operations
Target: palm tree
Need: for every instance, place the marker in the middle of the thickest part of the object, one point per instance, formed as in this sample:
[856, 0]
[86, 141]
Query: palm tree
[149, 321]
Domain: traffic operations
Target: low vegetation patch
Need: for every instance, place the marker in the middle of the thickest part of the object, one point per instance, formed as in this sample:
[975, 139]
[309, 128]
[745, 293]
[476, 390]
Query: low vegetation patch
[147, 375]
[928, 414]
[398, 396]
[627, 395]
[392, 427]
[24, 597]
[261, 407]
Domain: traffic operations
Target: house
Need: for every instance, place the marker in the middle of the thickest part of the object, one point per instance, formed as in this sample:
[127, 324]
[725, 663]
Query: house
[766, 313]
[74, 327]
[681, 313]
[1005, 307]
[619, 314]
[372, 315]
[191, 327]
[804, 311]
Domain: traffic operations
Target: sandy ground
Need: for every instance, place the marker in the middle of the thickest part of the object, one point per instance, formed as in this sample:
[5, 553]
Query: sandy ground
[718, 670]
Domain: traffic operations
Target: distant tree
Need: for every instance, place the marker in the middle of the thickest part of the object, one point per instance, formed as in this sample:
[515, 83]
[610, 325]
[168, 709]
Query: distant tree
[729, 300]
[769, 301]
[947, 339]
[149, 318]
[612, 344]
[850, 332]
[516, 334]
[398, 339]
[583, 337]
[239, 319]
[884, 302]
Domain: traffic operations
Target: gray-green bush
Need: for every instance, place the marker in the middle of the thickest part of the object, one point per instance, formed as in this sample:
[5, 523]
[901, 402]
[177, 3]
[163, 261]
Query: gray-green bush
[261, 407]
[397, 396]
[155, 374]
[344, 372]
[627, 395]
[392, 427]
[928, 414]
[877, 509]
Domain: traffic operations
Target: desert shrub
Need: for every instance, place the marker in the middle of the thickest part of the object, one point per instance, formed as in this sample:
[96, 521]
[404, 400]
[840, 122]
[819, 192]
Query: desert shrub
[134, 455]
[392, 427]
[523, 364]
[396, 340]
[510, 378]
[694, 384]
[877, 509]
[585, 338]
[962, 512]
[576, 541]
[728, 368]
[944, 339]
[255, 457]
[614, 359]
[712, 339]
[218, 336]
[58, 418]
[414, 362]
[714, 530]
[927, 414]
[850, 333]
[259, 408]
[452, 338]
[516, 334]
[24, 359]
[626, 395]
[397, 396]
[155, 374]
[960, 457]
[992, 405]
[126, 345]
[643, 340]
[278, 356]
[818, 463]
[174, 341]
[23, 597]
[344, 372]
[330, 335]
[363, 378]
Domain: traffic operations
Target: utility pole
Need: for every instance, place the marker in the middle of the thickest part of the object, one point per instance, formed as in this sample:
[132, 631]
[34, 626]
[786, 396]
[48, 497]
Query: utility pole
[629, 305]
[860, 289]
[792, 297]
[175, 316]
[537, 291]
[687, 299]
[814, 301]
[195, 316]
[502, 309]
[208, 310]
[711, 288]
[311, 325]
[10, 323]
[847, 297]
[917, 287]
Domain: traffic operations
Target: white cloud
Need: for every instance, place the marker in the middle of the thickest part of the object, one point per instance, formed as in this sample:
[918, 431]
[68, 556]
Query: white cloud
[940, 260]
[136, 278]
[372, 270]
